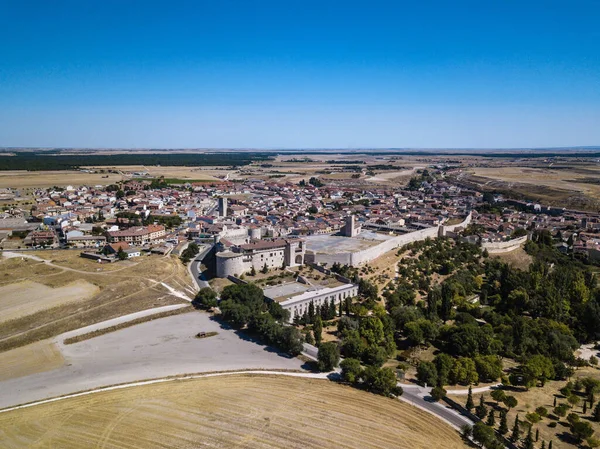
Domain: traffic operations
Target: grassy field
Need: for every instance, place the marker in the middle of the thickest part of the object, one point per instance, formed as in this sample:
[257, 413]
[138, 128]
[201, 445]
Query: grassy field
[228, 412]
[119, 289]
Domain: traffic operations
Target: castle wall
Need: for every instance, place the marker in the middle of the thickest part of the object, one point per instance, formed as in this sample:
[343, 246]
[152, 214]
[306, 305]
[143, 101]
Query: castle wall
[368, 254]
[504, 247]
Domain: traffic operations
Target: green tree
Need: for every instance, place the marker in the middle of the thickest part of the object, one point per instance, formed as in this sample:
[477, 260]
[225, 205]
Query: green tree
[206, 298]
[351, 370]
[516, 433]
[503, 427]
[380, 380]
[484, 435]
[427, 373]
[491, 419]
[510, 402]
[438, 393]
[481, 409]
[318, 330]
[470, 405]
[122, 255]
[581, 430]
[596, 414]
[328, 357]
[444, 364]
[528, 442]
[498, 395]
[538, 368]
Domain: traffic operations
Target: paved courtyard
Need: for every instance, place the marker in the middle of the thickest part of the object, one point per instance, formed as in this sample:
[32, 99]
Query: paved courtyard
[332, 244]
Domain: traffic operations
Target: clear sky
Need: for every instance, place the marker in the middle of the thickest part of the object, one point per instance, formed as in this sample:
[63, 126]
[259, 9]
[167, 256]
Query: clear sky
[299, 73]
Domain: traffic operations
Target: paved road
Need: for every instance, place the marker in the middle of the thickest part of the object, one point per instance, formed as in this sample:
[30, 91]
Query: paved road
[419, 397]
[194, 267]
[159, 348]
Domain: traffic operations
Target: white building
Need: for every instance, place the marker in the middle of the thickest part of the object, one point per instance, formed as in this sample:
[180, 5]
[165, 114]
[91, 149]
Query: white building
[299, 303]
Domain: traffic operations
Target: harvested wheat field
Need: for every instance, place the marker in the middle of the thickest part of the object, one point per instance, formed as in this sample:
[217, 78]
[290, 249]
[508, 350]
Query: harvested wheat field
[27, 297]
[227, 412]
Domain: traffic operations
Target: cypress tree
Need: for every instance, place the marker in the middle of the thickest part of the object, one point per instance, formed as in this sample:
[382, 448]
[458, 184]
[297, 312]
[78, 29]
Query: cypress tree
[514, 436]
[470, 404]
[550, 445]
[554, 401]
[528, 443]
[503, 428]
[481, 410]
[543, 445]
[596, 414]
[537, 435]
[318, 330]
[491, 420]
[341, 310]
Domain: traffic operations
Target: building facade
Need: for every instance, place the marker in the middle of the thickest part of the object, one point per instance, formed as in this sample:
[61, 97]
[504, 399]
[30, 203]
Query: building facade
[298, 304]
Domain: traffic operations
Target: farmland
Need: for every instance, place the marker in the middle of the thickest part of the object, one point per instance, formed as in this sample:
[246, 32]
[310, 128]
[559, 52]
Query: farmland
[234, 411]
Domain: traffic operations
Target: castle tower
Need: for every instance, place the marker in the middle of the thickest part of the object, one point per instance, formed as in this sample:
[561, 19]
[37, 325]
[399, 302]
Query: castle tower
[222, 207]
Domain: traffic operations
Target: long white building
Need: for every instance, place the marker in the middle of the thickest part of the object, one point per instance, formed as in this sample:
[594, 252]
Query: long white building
[298, 304]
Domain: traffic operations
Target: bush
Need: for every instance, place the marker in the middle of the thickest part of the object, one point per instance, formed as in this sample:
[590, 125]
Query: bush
[542, 411]
[561, 410]
[552, 424]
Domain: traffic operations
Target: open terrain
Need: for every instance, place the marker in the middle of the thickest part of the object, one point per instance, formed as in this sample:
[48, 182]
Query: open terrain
[21, 179]
[65, 292]
[535, 397]
[238, 411]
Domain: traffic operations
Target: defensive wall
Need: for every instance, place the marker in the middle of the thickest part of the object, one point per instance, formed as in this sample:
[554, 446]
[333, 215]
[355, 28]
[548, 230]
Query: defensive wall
[368, 254]
[503, 247]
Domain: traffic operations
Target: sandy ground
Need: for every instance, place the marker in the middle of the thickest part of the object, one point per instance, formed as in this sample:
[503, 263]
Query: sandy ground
[27, 297]
[34, 358]
[159, 348]
[228, 412]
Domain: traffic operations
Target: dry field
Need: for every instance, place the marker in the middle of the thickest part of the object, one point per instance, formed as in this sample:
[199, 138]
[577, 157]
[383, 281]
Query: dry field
[26, 179]
[228, 412]
[34, 358]
[518, 258]
[27, 297]
[110, 291]
[41, 179]
[197, 173]
[567, 187]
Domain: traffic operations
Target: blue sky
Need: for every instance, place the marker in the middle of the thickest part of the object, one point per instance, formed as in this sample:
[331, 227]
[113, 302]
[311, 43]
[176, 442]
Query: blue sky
[291, 74]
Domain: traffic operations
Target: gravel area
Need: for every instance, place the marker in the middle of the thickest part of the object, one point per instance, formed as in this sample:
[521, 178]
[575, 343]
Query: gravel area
[159, 348]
